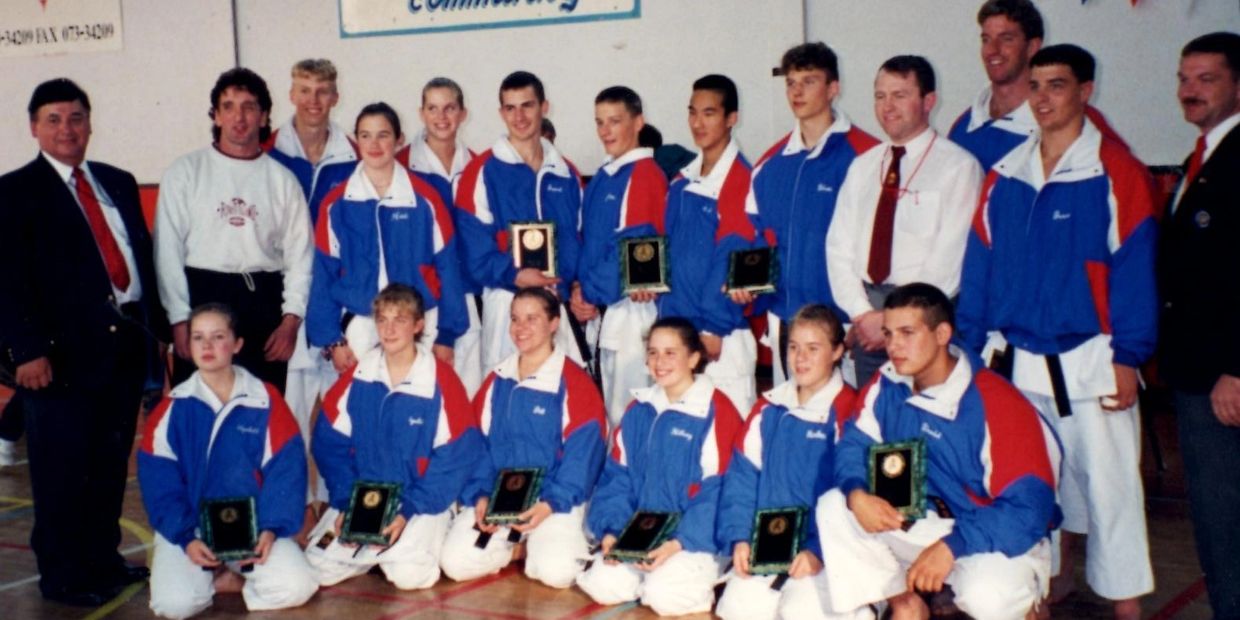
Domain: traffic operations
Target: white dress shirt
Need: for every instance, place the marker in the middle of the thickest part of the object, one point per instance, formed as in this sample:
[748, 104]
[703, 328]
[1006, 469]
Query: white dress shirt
[939, 185]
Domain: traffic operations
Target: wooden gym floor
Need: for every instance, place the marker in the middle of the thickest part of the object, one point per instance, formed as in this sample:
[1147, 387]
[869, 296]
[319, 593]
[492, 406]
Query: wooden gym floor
[510, 596]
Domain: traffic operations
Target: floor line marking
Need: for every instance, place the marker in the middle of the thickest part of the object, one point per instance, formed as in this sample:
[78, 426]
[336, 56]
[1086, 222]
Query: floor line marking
[1181, 600]
[482, 613]
[147, 539]
[19, 583]
[443, 597]
[584, 612]
[615, 611]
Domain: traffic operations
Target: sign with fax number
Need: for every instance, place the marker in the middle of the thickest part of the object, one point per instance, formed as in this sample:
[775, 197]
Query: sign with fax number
[43, 27]
[365, 18]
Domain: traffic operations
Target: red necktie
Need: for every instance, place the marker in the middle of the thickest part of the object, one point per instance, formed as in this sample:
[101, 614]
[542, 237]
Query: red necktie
[118, 272]
[885, 220]
[1195, 162]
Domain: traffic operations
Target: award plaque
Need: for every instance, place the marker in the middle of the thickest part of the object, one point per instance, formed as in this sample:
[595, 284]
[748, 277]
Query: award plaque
[533, 245]
[230, 527]
[643, 265]
[515, 491]
[372, 505]
[752, 270]
[777, 537]
[898, 475]
[644, 533]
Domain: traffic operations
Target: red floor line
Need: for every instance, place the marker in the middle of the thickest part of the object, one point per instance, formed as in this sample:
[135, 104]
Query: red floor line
[482, 613]
[4, 545]
[451, 594]
[1181, 600]
[584, 612]
[373, 596]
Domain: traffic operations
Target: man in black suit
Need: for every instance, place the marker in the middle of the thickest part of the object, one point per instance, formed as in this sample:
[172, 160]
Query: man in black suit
[1201, 291]
[79, 317]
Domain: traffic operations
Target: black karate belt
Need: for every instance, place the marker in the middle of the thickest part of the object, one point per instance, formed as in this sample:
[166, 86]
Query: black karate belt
[345, 319]
[1002, 361]
[777, 584]
[1058, 385]
[595, 367]
[579, 335]
[941, 507]
[783, 346]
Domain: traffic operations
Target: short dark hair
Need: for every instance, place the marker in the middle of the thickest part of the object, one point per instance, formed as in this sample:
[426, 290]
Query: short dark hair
[1225, 43]
[918, 66]
[822, 316]
[249, 81]
[935, 307]
[448, 83]
[550, 303]
[521, 79]
[1020, 11]
[379, 108]
[650, 137]
[687, 333]
[621, 94]
[814, 55]
[401, 295]
[58, 90]
[547, 129]
[1075, 57]
[723, 85]
[224, 310]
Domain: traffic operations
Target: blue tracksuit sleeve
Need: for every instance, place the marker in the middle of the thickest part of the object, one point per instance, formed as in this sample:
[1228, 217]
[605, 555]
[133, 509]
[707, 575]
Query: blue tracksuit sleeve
[282, 497]
[332, 449]
[737, 502]
[164, 495]
[615, 499]
[323, 311]
[696, 531]
[719, 314]
[583, 449]
[451, 463]
[453, 317]
[481, 479]
[1133, 291]
[489, 266]
[1013, 524]
[975, 276]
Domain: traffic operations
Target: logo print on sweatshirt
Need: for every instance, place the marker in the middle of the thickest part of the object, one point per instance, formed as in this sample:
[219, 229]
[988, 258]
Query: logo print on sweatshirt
[682, 433]
[237, 211]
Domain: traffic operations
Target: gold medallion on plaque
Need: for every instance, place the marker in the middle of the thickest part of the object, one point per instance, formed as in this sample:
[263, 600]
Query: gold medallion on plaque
[752, 260]
[893, 465]
[648, 523]
[777, 526]
[644, 252]
[372, 498]
[515, 483]
[533, 239]
[228, 515]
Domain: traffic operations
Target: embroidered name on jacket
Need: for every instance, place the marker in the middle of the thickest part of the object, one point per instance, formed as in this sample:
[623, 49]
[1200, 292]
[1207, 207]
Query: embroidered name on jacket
[822, 187]
[399, 216]
[925, 428]
[555, 189]
[415, 421]
[539, 410]
[1060, 215]
[815, 434]
[237, 211]
[682, 433]
[249, 430]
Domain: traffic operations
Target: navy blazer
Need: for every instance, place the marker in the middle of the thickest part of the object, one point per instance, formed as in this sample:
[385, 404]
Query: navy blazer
[1200, 284]
[55, 296]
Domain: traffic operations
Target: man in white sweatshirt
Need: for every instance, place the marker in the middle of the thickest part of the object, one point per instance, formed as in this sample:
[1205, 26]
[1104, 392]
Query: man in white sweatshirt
[232, 226]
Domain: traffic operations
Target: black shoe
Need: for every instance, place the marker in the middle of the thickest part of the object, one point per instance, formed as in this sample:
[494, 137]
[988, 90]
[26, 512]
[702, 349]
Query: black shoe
[81, 598]
[125, 574]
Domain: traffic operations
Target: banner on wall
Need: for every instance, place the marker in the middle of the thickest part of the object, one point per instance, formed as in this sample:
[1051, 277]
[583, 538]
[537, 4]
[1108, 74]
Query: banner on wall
[42, 27]
[364, 18]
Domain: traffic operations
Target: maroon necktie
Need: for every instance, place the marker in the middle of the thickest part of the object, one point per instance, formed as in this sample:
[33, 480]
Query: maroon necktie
[885, 220]
[1195, 162]
[118, 272]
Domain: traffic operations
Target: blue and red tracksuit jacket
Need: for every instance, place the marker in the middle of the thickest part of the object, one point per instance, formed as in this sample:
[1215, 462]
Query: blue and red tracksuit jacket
[498, 189]
[794, 192]
[362, 244]
[423, 162]
[669, 457]
[783, 458]
[1054, 266]
[553, 419]
[988, 453]
[420, 433]
[625, 199]
[706, 221]
[285, 147]
[991, 139]
[195, 448]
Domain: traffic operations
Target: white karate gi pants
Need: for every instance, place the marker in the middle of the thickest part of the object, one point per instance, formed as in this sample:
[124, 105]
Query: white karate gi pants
[556, 550]
[410, 564]
[683, 584]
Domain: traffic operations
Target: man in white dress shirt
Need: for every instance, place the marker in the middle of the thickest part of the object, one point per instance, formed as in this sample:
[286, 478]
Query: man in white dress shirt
[903, 212]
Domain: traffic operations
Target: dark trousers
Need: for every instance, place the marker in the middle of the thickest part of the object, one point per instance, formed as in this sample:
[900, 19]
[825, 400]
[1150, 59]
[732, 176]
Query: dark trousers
[1211, 453]
[78, 440]
[256, 299]
[12, 420]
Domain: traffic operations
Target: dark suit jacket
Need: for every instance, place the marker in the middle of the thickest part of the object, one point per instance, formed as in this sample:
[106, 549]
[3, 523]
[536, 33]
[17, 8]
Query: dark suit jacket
[55, 296]
[1200, 275]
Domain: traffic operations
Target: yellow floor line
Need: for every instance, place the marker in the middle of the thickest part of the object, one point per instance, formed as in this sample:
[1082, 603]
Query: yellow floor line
[146, 537]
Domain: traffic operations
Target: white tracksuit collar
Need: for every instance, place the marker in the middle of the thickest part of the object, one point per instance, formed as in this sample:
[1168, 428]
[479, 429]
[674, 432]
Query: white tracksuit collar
[423, 159]
[1080, 161]
[695, 401]
[610, 166]
[400, 192]
[711, 184]
[553, 162]
[420, 382]
[247, 390]
[796, 143]
[338, 148]
[817, 409]
[545, 379]
[1019, 121]
[942, 400]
